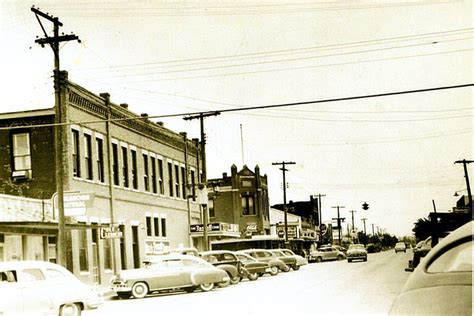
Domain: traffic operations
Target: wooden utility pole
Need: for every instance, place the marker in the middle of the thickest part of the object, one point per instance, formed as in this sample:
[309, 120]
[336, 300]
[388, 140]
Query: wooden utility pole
[203, 178]
[60, 153]
[339, 220]
[319, 195]
[283, 169]
[466, 175]
[364, 219]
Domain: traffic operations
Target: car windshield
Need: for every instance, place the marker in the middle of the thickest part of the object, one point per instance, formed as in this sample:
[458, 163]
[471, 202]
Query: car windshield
[357, 246]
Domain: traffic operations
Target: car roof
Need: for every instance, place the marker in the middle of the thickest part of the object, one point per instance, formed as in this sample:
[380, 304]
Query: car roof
[215, 252]
[25, 264]
[172, 256]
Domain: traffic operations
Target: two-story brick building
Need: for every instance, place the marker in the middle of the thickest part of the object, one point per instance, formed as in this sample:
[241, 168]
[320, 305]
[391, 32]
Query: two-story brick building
[241, 198]
[149, 193]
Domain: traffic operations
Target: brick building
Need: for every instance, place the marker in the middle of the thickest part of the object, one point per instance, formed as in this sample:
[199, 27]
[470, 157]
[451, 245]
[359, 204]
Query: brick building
[242, 199]
[150, 192]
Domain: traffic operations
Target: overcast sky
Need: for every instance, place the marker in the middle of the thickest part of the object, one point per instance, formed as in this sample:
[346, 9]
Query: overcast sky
[396, 153]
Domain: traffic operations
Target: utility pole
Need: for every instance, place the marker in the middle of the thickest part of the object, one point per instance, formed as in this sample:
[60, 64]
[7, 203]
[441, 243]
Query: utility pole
[283, 169]
[353, 228]
[469, 195]
[60, 153]
[320, 216]
[339, 219]
[203, 178]
[364, 219]
[373, 234]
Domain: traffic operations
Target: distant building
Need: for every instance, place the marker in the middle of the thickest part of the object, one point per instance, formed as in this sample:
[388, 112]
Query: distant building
[242, 199]
[277, 223]
[150, 191]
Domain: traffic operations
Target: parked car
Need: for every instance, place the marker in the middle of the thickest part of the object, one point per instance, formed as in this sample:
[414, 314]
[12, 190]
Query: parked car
[252, 266]
[167, 273]
[442, 283]
[227, 261]
[326, 253]
[264, 255]
[300, 260]
[372, 248]
[356, 252]
[400, 246]
[421, 250]
[288, 260]
[43, 288]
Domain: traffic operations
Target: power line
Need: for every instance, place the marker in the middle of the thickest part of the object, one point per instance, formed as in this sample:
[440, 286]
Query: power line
[248, 108]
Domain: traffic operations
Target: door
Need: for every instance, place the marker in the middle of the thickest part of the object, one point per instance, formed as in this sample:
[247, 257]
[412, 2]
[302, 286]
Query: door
[36, 297]
[95, 256]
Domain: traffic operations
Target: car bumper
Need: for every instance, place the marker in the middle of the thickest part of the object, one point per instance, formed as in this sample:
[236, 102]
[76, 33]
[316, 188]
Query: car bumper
[357, 257]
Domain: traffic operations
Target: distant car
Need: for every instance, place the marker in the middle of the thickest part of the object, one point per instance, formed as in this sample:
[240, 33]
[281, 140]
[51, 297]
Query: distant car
[300, 260]
[326, 253]
[442, 283]
[227, 261]
[421, 250]
[356, 252]
[167, 273]
[252, 266]
[43, 288]
[264, 255]
[400, 246]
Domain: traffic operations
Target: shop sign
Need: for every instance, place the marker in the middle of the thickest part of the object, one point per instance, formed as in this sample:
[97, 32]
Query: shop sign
[252, 227]
[110, 232]
[75, 203]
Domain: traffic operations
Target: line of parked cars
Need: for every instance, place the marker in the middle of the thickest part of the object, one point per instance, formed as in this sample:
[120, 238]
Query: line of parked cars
[335, 252]
[186, 269]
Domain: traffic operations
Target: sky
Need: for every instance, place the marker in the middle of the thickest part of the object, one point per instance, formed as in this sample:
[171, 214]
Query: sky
[396, 153]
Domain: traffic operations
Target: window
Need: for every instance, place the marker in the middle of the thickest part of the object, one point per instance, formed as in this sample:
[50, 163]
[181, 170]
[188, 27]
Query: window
[193, 184]
[156, 222]
[125, 167]
[146, 181]
[108, 254]
[153, 175]
[170, 178]
[21, 152]
[148, 226]
[160, 176]
[183, 182]
[31, 275]
[76, 164]
[248, 207]
[83, 258]
[134, 169]
[88, 156]
[456, 259]
[115, 164]
[176, 178]
[54, 274]
[163, 227]
[99, 149]
[246, 183]
[210, 206]
[2, 241]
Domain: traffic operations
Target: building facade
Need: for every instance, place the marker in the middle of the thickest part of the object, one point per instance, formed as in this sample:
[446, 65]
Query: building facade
[242, 199]
[138, 177]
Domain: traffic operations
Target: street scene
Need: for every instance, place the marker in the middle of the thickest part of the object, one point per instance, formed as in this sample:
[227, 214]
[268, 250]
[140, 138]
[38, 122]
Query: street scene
[236, 157]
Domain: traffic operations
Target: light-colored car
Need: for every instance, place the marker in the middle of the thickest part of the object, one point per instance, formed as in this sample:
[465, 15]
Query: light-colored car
[43, 288]
[264, 255]
[288, 260]
[356, 252]
[400, 246]
[300, 260]
[326, 253]
[442, 282]
[168, 273]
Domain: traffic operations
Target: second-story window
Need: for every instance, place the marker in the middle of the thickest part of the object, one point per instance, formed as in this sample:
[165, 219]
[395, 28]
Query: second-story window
[248, 207]
[160, 177]
[193, 185]
[88, 156]
[146, 176]
[125, 167]
[134, 169]
[76, 163]
[99, 148]
[153, 175]
[115, 164]
[210, 207]
[176, 178]
[170, 178]
[21, 152]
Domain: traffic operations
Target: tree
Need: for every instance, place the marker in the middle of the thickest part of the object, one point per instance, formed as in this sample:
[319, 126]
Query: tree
[422, 229]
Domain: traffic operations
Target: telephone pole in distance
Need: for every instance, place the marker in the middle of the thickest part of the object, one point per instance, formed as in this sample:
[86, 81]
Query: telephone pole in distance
[339, 220]
[283, 169]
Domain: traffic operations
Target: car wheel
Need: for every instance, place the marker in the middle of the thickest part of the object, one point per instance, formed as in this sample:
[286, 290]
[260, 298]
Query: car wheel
[139, 290]
[273, 271]
[71, 309]
[296, 267]
[319, 259]
[349, 260]
[224, 283]
[235, 280]
[205, 287]
[124, 295]
[189, 289]
[286, 268]
[252, 276]
[340, 257]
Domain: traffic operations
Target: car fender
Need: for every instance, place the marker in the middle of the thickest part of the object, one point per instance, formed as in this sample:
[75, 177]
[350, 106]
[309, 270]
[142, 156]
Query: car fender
[277, 263]
[230, 269]
[214, 276]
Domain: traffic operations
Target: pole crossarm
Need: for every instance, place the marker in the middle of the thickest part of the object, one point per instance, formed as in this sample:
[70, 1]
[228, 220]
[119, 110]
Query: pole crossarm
[46, 16]
[201, 115]
[52, 40]
[283, 169]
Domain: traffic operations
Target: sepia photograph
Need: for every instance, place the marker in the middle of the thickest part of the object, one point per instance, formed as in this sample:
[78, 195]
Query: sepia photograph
[236, 157]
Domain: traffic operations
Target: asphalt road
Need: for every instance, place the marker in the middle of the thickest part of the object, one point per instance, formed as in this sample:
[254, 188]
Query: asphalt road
[338, 288]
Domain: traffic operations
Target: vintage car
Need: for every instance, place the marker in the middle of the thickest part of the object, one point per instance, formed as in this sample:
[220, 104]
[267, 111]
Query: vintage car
[264, 255]
[227, 261]
[43, 288]
[300, 260]
[356, 252]
[326, 253]
[442, 282]
[400, 246]
[168, 273]
[252, 266]
[288, 260]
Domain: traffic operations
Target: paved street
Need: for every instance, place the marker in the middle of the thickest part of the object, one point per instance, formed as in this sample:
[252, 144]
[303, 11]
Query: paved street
[338, 287]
